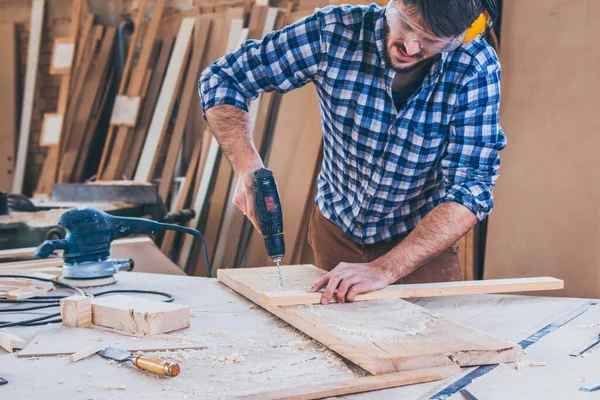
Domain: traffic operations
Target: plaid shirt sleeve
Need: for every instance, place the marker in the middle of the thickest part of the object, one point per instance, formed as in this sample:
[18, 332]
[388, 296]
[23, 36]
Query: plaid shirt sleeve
[283, 60]
[470, 165]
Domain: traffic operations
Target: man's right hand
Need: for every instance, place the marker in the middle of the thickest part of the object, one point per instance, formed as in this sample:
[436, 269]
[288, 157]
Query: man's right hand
[243, 197]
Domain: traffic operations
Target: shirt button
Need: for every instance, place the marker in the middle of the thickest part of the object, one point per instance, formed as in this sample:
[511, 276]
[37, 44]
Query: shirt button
[391, 130]
[380, 164]
[368, 197]
[359, 225]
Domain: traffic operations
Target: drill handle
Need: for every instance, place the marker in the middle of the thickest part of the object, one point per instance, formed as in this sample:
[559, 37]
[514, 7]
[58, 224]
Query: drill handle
[49, 246]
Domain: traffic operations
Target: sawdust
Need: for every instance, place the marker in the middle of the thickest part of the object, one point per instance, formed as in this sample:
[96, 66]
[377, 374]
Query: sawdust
[357, 322]
[116, 387]
[523, 364]
[582, 379]
[61, 382]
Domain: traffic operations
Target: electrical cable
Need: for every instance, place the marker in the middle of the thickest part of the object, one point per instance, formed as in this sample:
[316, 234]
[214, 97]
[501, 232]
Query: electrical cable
[54, 301]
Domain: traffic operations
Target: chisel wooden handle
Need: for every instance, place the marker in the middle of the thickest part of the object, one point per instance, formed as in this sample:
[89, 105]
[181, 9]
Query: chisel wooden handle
[157, 366]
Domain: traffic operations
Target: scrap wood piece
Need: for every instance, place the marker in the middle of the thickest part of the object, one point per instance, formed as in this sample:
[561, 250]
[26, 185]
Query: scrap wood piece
[358, 385]
[11, 342]
[166, 100]
[33, 53]
[76, 311]
[88, 351]
[51, 342]
[381, 336]
[25, 293]
[400, 291]
[137, 315]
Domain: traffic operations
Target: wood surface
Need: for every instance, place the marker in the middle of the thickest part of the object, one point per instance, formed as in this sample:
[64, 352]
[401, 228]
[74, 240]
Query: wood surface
[76, 311]
[8, 104]
[381, 336]
[166, 100]
[136, 315]
[545, 222]
[358, 385]
[63, 54]
[88, 351]
[33, 53]
[11, 342]
[190, 89]
[25, 293]
[51, 342]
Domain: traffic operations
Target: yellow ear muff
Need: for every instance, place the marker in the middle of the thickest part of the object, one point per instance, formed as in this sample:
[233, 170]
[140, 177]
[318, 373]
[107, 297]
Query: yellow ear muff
[478, 27]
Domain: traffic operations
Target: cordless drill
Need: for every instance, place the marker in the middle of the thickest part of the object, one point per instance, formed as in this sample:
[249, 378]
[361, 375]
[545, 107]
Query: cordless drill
[270, 217]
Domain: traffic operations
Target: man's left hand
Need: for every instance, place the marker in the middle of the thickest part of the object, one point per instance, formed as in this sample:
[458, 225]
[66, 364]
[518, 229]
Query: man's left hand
[351, 279]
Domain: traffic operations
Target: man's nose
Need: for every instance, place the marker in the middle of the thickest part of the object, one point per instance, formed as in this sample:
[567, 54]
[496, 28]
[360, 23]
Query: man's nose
[412, 47]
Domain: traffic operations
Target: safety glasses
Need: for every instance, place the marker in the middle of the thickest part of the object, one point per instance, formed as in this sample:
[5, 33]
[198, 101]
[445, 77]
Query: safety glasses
[402, 26]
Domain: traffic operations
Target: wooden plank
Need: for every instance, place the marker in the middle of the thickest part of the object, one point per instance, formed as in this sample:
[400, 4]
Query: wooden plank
[8, 104]
[127, 165]
[88, 351]
[11, 342]
[51, 342]
[358, 385]
[136, 315]
[76, 311]
[33, 52]
[165, 102]
[33, 264]
[381, 336]
[189, 90]
[515, 285]
[25, 293]
[133, 89]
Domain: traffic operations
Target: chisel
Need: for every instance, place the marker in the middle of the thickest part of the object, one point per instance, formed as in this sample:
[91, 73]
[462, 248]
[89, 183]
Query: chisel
[157, 366]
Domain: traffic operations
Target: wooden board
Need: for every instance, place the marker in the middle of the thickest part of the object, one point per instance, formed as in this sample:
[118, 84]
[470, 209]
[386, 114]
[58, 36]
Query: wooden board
[189, 90]
[381, 336]
[11, 342]
[166, 100]
[358, 385]
[33, 53]
[547, 222]
[298, 297]
[8, 104]
[139, 316]
[51, 342]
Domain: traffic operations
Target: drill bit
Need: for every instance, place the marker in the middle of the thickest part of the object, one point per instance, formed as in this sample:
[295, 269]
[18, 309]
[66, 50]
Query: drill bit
[280, 275]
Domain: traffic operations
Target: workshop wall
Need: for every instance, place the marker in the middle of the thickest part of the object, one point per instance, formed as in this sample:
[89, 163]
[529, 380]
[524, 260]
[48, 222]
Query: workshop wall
[546, 218]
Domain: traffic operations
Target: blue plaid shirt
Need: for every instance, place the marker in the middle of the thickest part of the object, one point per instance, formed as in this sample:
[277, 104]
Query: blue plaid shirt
[383, 169]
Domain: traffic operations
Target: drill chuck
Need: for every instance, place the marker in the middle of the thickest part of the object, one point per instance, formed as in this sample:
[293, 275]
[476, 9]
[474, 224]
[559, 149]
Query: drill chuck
[268, 212]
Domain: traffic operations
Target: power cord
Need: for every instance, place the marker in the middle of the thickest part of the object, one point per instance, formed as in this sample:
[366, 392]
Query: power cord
[54, 301]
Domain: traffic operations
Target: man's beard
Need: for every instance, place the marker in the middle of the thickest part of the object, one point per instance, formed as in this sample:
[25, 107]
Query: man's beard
[425, 62]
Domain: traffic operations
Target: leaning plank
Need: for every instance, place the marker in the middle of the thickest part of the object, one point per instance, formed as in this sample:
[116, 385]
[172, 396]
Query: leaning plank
[381, 336]
[136, 315]
[297, 297]
[33, 52]
[88, 351]
[166, 100]
[8, 104]
[10, 342]
[358, 385]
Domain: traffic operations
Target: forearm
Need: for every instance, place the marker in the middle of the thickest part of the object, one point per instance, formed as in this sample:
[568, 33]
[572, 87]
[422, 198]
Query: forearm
[439, 230]
[231, 127]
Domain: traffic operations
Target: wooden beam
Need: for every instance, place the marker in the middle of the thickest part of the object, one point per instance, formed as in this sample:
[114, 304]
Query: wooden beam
[165, 103]
[139, 316]
[298, 297]
[76, 311]
[358, 385]
[33, 53]
[189, 90]
[10, 342]
[8, 104]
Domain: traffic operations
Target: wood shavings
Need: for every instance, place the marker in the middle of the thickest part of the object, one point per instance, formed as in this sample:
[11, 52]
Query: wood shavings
[176, 355]
[61, 382]
[523, 364]
[193, 314]
[116, 387]
[582, 379]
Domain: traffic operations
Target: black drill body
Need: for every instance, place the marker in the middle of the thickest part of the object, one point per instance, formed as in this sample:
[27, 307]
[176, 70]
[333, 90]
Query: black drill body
[268, 212]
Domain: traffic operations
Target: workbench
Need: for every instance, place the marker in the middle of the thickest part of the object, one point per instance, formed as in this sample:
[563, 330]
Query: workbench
[249, 351]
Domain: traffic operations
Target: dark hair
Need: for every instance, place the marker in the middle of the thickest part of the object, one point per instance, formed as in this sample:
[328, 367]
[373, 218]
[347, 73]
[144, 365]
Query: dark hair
[445, 18]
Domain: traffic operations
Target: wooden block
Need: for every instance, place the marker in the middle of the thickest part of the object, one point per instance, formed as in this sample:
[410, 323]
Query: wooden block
[63, 53]
[358, 385]
[51, 129]
[125, 110]
[88, 351]
[10, 342]
[76, 311]
[381, 336]
[136, 315]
